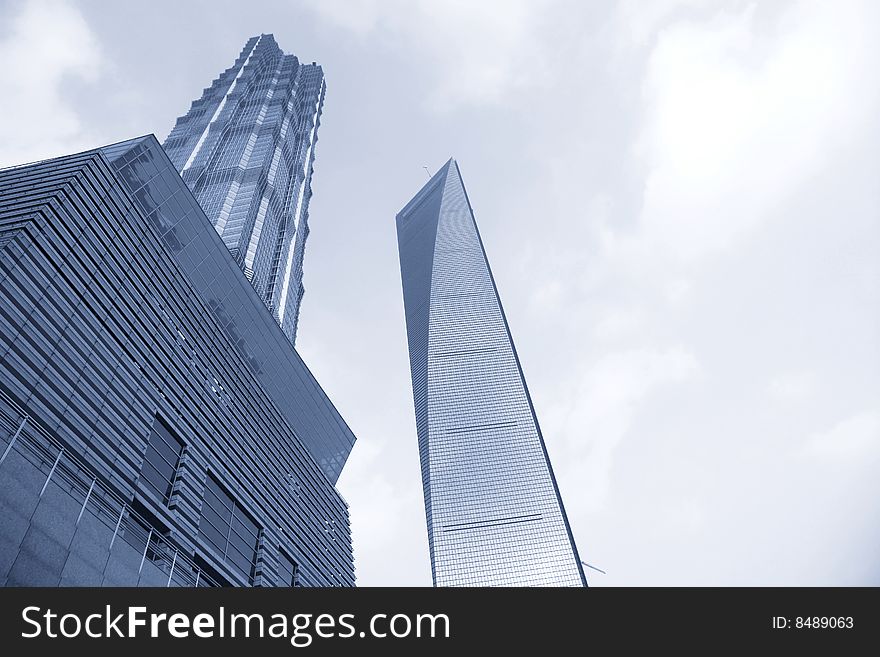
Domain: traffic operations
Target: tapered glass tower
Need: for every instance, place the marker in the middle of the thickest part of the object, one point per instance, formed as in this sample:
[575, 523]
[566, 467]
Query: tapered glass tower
[246, 149]
[495, 516]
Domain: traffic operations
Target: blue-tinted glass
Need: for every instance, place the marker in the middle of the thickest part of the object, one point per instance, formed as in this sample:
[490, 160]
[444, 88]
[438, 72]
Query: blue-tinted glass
[246, 149]
[244, 317]
[494, 514]
[160, 459]
[210, 531]
[218, 500]
[109, 318]
[226, 525]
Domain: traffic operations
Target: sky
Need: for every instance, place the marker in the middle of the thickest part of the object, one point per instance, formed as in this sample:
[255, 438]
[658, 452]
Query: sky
[681, 207]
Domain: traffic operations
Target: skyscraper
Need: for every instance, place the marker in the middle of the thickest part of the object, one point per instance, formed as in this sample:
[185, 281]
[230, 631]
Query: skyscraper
[246, 149]
[157, 428]
[494, 513]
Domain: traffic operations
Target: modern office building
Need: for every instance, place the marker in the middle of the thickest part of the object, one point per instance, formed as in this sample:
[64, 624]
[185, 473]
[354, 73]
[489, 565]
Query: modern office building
[495, 516]
[156, 426]
[246, 149]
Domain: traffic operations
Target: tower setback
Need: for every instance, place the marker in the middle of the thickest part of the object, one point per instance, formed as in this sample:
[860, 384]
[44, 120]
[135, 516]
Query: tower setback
[246, 149]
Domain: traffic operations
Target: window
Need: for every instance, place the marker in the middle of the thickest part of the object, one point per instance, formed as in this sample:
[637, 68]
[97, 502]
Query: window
[161, 460]
[226, 526]
[288, 570]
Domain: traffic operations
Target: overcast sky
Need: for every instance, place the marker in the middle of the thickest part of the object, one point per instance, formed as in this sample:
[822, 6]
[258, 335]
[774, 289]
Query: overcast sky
[681, 205]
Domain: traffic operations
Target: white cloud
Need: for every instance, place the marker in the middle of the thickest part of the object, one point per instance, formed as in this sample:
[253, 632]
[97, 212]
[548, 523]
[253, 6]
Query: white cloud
[741, 110]
[476, 52]
[387, 515]
[603, 407]
[378, 504]
[855, 439]
[792, 386]
[641, 19]
[48, 44]
[357, 16]
[681, 515]
[618, 323]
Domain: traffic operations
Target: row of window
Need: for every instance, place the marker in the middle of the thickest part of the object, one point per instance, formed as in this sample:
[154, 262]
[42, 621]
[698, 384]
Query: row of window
[224, 524]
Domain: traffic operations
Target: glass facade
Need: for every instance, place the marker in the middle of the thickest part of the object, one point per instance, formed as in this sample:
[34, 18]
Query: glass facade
[159, 468]
[144, 439]
[229, 528]
[155, 187]
[494, 513]
[246, 149]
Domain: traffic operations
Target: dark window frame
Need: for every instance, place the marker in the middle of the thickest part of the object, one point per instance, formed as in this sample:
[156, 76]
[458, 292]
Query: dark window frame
[157, 473]
[232, 551]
